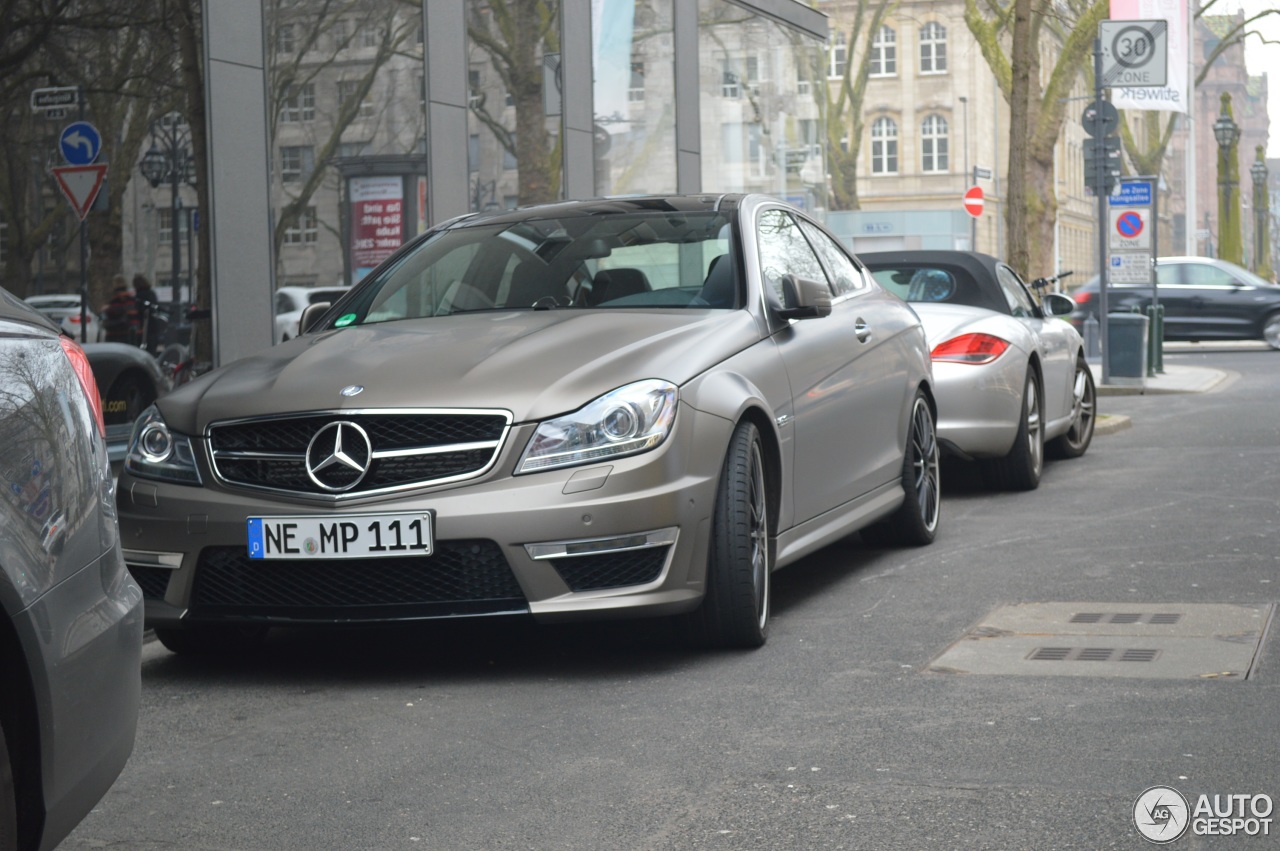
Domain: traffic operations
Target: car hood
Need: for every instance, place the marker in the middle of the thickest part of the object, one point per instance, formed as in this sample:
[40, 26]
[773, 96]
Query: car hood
[534, 364]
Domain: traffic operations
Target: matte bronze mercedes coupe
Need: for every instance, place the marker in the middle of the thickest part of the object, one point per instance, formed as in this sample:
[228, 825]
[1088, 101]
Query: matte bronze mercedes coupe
[590, 409]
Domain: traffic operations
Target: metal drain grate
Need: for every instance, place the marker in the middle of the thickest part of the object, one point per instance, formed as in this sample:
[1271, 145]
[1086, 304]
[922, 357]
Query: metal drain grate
[1165, 618]
[1092, 654]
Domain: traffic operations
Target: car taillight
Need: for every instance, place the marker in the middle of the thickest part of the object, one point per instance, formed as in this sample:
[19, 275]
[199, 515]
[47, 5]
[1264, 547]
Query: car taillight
[80, 363]
[1083, 297]
[970, 348]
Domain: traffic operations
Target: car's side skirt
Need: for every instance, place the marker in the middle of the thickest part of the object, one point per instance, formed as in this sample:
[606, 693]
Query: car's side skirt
[827, 528]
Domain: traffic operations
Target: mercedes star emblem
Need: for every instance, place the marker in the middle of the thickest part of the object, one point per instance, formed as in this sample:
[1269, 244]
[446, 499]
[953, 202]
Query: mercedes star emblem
[352, 390]
[338, 456]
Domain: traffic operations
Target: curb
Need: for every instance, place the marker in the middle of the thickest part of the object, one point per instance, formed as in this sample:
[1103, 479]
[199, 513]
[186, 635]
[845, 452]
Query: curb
[1111, 423]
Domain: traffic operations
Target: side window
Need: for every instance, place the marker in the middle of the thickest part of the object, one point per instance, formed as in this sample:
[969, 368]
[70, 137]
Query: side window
[783, 251]
[1020, 302]
[1207, 275]
[1169, 273]
[283, 305]
[845, 277]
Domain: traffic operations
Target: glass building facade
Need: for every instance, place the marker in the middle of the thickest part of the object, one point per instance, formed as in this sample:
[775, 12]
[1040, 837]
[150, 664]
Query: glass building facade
[381, 117]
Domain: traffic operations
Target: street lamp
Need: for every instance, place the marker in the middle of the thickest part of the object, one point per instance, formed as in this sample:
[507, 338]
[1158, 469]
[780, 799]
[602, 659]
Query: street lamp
[169, 160]
[1227, 133]
[1261, 211]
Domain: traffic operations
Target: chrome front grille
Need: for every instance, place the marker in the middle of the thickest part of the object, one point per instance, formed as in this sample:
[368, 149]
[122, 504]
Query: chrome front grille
[405, 449]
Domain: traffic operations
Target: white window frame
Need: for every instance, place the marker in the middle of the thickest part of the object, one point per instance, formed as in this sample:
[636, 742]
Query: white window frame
[884, 146]
[299, 104]
[837, 57]
[306, 231]
[884, 53]
[935, 150]
[933, 48]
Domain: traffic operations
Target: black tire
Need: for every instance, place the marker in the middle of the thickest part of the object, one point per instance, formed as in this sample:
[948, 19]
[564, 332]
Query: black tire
[1020, 470]
[212, 640]
[8, 800]
[915, 523]
[1084, 415]
[1271, 330]
[735, 610]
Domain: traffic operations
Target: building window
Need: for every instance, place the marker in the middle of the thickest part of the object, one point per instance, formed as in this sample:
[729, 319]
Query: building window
[340, 33]
[370, 35]
[305, 231]
[729, 80]
[296, 163]
[285, 41]
[884, 53]
[933, 48]
[839, 56]
[884, 146]
[933, 144]
[299, 104]
[350, 89]
[347, 150]
[164, 216]
[635, 94]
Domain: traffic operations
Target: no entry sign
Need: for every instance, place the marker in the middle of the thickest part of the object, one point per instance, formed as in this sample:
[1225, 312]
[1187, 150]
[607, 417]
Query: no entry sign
[973, 201]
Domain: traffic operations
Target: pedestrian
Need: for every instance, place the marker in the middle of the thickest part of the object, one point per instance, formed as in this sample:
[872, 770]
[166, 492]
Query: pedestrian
[120, 315]
[149, 327]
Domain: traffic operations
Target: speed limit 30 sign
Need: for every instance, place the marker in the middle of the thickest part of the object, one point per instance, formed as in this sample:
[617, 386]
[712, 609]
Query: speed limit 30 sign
[1135, 54]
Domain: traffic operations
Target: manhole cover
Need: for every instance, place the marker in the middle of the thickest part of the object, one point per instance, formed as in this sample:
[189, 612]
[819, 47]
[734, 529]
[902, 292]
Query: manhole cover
[1164, 641]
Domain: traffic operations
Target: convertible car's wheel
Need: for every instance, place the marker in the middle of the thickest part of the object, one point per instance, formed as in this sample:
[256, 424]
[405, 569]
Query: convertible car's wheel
[8, 803]
[211, 640]
[1020, 469]
[1085, 408]
[915, 523]
[1271, 330]
[735, 610]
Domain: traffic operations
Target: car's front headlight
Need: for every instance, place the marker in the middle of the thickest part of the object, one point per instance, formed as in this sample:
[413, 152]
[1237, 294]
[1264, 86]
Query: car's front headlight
[625, 421]
[157, 452]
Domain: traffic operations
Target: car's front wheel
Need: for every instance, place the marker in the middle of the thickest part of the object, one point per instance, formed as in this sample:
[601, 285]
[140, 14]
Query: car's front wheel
[1271, 330]
[735, 609]
[1020, 469]
[915, 523]
[1084, 413]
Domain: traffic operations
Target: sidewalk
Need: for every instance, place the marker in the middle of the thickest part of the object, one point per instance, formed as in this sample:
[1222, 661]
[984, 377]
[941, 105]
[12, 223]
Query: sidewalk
[1174, 379]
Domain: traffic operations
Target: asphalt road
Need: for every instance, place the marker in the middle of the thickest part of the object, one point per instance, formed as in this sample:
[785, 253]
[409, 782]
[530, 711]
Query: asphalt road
[840, 733]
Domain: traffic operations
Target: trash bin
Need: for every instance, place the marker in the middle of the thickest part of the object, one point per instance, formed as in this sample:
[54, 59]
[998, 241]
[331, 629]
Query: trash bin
[1127, 347]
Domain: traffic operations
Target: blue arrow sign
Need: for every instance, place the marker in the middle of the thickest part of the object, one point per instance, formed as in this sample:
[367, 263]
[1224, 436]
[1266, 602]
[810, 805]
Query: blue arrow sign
[80, 143]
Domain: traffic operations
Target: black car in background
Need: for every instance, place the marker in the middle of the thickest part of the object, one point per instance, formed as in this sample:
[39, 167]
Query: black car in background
[70, 614]
[1204, 299]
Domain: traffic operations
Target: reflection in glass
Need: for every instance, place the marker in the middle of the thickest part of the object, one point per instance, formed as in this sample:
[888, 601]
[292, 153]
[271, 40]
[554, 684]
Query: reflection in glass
[514, 116]
[761, 96]
[345, 101]
[635, 125]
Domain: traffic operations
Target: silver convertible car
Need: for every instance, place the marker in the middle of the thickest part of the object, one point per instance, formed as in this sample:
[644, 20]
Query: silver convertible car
[1012, 379]
[589, 409]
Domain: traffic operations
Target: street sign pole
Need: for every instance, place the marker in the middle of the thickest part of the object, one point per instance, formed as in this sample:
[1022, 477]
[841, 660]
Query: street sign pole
[84, 250]
[1100, 191]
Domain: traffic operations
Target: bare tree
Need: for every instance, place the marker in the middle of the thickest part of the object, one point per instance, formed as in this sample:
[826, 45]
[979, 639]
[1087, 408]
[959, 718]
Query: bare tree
[516, 36]
[1015, 39]
[844, 97]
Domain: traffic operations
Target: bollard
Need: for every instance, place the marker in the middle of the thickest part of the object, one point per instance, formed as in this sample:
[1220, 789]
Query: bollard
[1158, 336]
[1153, 341]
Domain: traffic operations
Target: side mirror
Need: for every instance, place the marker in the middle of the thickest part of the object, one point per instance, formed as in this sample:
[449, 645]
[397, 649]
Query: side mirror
[311, 315]
[1056, 304]
[804, 298]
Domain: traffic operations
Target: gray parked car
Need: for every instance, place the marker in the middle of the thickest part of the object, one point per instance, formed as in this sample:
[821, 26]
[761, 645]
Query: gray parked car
[590, 409]
[71, 634]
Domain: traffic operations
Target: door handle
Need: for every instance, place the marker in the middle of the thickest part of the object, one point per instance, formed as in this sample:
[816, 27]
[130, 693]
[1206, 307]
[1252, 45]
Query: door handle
[860, 330]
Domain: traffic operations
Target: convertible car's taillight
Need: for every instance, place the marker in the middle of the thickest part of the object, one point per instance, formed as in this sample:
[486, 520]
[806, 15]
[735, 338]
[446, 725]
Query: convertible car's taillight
[970, 348]
[84, 372]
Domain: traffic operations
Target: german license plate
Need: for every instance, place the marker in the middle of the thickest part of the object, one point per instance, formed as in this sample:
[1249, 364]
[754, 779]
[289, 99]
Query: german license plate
[341, 536]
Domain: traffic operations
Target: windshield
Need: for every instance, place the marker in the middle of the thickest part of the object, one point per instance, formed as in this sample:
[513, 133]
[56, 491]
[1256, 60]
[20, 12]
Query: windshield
[617, 261]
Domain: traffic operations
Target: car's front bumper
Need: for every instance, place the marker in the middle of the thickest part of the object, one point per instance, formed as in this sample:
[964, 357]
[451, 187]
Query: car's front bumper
[626, 537]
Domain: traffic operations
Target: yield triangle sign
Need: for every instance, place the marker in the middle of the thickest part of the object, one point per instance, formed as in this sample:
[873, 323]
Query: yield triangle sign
[80, 183]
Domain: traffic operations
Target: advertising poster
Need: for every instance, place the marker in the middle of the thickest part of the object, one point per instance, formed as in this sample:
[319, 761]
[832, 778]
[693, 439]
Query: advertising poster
[377, 220]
